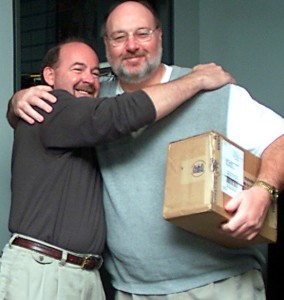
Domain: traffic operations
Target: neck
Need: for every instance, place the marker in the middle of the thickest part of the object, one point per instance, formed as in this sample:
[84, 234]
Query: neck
[154, 79]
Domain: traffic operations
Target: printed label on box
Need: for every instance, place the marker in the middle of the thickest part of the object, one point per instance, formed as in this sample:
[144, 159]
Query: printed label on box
[232, 169]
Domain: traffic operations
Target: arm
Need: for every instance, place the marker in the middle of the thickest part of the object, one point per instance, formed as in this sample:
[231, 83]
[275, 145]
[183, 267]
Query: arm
[272, 167]
[251, 206]
[87, 122]
[106, 119]
[22, 103]
[169, 96]
[203, 77]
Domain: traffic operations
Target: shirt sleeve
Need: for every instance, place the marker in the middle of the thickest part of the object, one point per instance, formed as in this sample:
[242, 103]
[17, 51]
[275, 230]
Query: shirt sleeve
[252, 125]
[86, 122]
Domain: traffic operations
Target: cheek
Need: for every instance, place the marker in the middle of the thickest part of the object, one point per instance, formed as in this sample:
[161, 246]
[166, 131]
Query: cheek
[72, 80]
[97, 84]
[72, 77]
[114, 53]
[154, 48]
[65, 81]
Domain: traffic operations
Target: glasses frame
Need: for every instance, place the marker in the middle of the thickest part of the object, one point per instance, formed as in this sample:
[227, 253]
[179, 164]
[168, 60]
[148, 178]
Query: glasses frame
[114, 43]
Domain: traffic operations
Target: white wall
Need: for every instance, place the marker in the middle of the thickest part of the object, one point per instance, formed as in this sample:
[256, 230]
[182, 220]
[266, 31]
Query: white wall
[186, 32]
[245, 37]
[6, 90]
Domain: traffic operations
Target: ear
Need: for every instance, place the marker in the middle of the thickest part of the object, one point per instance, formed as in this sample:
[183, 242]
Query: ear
[161, 34]
[48, 75]
[105, 41]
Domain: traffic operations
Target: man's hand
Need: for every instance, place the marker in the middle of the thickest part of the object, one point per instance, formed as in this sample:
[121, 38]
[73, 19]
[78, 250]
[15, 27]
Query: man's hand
[22, 103]
[211, 76]
[249, 209]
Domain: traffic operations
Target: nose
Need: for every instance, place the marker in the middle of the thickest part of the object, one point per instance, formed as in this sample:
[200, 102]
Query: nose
[131, 43]
[89, 77]
[93, 81]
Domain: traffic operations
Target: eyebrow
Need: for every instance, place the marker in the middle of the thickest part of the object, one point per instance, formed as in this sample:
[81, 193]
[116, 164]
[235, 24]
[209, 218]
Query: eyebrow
[126, 31]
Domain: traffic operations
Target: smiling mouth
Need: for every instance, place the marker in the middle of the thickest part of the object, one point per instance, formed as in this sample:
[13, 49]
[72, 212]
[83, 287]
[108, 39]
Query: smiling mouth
[130, 56]
[85, 93]
[132, 61]
[133, 57]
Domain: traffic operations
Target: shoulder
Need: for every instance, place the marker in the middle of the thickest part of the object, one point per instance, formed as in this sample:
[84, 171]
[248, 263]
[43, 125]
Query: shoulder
[239, 90]
[241, 97]
[178, 71]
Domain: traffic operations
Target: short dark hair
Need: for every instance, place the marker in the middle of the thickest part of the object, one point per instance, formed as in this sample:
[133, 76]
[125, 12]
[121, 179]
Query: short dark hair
[51, 58]
[143, 2]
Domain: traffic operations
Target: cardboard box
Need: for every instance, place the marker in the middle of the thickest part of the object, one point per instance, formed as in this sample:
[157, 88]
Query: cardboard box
[203, 173]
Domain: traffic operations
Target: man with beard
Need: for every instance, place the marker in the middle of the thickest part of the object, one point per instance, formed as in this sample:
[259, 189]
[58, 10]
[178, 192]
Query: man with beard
[150, 258]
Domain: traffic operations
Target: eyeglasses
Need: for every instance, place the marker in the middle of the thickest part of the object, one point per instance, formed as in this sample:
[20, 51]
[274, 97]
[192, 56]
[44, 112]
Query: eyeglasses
[141, 35]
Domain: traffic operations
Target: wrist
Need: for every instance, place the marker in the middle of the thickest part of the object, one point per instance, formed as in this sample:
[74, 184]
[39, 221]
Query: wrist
[272, 190]
[198, 82]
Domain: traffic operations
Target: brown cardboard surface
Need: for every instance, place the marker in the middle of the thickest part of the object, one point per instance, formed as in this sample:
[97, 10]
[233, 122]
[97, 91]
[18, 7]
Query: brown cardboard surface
[195, 192]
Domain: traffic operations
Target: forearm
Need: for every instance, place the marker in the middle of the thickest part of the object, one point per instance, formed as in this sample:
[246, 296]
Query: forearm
[167, 97]
[272, 164]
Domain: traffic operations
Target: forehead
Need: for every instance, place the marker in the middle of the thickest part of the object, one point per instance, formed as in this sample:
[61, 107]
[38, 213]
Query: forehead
[76, 52]
[130, 15]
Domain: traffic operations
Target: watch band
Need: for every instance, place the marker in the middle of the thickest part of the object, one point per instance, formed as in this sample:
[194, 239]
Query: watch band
[273, 191]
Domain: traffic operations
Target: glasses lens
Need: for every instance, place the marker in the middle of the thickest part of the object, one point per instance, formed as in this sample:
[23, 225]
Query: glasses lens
[118, 38]
[143, 34]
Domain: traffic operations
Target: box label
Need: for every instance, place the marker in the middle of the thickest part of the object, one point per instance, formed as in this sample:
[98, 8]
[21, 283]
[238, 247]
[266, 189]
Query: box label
[232, 169]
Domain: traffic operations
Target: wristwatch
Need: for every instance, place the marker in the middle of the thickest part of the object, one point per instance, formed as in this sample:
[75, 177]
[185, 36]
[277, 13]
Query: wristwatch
[274, 193]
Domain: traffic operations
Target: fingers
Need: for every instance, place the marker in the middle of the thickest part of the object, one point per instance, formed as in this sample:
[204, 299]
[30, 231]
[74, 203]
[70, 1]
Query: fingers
[30, 115]
[212, 76]
[241, 229]
[231, 79]
[25, 101]
[242, 235]
[249, 209]
[43, 87]
[42, 92]
[40, 100]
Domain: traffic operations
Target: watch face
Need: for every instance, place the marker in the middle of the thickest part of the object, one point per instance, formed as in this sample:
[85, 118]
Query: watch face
[275, 194]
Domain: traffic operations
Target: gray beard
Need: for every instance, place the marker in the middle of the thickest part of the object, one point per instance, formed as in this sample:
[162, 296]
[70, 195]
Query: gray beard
[143, 74]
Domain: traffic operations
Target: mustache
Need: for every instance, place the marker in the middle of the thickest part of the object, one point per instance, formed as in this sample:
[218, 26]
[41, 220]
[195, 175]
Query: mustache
[133, 55]
[86, 88]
